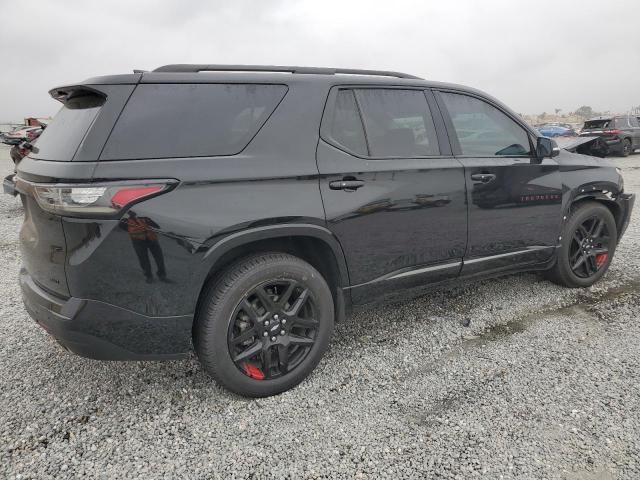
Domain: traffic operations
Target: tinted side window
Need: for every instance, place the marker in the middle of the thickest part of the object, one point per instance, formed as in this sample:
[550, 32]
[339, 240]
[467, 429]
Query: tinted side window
[61, 138]
[623, 122]
[592, 124]
[346, 125]
[398, 123]
[182, 120]
[484, 130]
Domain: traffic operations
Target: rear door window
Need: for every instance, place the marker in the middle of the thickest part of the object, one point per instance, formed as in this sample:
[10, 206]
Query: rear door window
[398, 123]
[63, 135]
[191, 120]
[483, 130]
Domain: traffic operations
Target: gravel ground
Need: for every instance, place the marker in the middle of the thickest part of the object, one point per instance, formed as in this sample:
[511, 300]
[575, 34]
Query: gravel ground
[543, 383]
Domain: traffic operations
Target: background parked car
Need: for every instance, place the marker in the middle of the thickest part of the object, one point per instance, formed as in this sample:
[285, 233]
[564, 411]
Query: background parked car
[23, 146]
[3, 134]
[557, 130]
[20, 135]
[620, 133]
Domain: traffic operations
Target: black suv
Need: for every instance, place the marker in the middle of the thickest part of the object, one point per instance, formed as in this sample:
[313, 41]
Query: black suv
[244, 209]
[620, 133]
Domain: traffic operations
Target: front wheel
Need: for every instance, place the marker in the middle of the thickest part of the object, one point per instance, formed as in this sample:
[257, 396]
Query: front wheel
[589, 240]
[265, 324]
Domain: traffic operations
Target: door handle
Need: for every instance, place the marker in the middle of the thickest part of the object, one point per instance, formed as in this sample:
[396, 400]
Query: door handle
[346, 184]
[483, 177]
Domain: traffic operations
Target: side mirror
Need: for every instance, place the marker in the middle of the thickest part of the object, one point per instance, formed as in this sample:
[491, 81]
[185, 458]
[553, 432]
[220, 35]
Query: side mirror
[546, 148]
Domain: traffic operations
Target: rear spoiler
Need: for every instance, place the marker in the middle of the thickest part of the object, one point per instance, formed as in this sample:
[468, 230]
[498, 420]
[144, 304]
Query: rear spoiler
[62, 94]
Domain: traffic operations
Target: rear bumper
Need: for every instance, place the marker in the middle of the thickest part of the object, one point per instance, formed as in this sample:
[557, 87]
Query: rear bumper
[102, 331]
[616, 145]
[625, 202]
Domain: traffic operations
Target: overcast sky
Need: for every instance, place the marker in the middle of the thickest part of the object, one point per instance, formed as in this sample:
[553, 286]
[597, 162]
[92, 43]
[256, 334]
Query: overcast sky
[535, 56]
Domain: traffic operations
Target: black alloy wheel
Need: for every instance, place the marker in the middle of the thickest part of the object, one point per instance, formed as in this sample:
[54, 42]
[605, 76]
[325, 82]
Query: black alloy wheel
[264, 323]
[626, 147]
[589, 249]
[587, 244]
[273, 329]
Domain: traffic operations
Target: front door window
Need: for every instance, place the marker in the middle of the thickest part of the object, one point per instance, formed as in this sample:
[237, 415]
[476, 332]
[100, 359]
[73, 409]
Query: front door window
[483, 130]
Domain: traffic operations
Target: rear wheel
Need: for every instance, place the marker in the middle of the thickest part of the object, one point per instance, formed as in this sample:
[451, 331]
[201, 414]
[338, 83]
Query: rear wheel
[265, 324]
[589, 240]
[626, 147]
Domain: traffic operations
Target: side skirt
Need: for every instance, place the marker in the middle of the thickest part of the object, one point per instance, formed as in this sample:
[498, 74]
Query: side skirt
[413, 282]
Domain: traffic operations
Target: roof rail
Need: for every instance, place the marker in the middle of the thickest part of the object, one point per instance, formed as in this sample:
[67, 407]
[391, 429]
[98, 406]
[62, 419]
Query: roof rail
[194, 68]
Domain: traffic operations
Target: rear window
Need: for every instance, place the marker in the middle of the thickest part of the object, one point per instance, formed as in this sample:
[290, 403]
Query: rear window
[591, 124]
[63, 135]
[184, 120]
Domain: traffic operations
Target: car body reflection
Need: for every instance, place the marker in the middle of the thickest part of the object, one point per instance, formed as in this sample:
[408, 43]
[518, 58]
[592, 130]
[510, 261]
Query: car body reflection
[145, 241]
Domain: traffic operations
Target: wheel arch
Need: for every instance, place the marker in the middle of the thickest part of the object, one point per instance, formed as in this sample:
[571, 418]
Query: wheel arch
[313, 243]
[603, 199]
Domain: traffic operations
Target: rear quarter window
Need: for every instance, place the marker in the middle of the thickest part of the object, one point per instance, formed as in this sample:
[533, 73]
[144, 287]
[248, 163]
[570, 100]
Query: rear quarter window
[190, 120]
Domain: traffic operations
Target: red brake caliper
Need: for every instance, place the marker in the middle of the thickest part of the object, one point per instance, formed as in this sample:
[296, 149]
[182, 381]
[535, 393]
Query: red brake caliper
[601, 258]
[252, 371]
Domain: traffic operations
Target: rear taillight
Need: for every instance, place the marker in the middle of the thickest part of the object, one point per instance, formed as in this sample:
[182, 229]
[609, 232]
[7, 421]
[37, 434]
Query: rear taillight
[125, 196]
[93, 200]
[612, 131]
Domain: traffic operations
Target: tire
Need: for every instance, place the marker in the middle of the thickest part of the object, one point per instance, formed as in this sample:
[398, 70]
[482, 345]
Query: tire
[564, 271]
[235, 307]
[626, 148]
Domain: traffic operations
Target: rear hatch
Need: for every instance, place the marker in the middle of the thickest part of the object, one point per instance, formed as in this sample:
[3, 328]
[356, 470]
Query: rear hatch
[600, 127]
[54, 159]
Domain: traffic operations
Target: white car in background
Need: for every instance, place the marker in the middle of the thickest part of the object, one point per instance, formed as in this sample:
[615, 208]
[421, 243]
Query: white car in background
[19, 134]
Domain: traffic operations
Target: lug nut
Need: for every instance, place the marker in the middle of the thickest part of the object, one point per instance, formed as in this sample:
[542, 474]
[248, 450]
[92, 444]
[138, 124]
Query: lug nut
[265, 334]
[275, 317]
[284, 320]
[266, 323]
[273, 339]
[282, 332]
